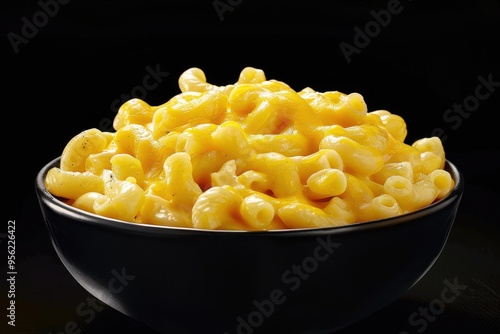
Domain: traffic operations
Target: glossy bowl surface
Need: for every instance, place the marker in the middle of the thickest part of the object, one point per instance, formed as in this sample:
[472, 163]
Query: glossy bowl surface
[180, 281]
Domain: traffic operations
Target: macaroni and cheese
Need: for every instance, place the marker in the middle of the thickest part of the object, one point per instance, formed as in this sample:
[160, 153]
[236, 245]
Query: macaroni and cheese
[253, 155]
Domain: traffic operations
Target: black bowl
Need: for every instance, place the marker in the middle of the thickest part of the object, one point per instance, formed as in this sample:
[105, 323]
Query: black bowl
[180, 280]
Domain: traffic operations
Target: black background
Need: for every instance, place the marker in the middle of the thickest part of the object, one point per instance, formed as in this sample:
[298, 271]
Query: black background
[66, 75]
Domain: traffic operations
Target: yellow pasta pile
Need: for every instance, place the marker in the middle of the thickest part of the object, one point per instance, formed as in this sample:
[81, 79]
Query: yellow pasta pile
[253, 155]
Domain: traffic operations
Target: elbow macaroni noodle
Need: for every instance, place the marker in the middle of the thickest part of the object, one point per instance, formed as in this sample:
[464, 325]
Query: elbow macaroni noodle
[253, 155]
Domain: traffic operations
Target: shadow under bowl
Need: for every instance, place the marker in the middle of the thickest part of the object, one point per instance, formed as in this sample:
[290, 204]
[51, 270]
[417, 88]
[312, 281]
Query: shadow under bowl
[180, 280]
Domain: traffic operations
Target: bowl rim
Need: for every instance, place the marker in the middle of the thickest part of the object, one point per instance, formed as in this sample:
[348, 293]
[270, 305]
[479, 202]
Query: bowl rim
[57, 205]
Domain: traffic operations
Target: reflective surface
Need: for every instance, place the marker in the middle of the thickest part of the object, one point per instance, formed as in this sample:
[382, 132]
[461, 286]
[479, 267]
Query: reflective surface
[460, 291]
[433, 63]
[259, 281]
